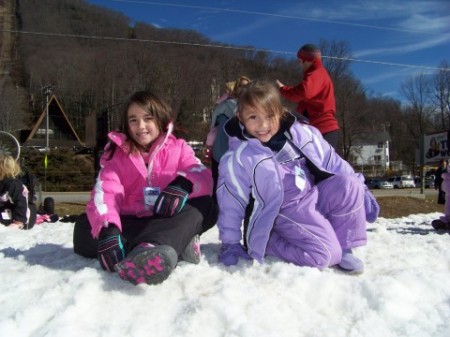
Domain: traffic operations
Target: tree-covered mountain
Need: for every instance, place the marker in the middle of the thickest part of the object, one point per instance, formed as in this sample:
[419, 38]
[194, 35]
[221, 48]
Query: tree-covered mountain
[94, 58]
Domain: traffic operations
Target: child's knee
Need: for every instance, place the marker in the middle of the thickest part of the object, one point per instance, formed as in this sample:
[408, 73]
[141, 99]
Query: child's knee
[350, 183]
[326, 257]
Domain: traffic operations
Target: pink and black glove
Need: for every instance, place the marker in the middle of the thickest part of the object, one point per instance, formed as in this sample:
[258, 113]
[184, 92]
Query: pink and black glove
[110, 247]
[231, 252]
[172, 199]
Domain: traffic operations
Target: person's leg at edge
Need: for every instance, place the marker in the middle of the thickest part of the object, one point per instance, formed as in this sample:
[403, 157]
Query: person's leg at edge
[83, 242]
[215, 175]
[33, 214]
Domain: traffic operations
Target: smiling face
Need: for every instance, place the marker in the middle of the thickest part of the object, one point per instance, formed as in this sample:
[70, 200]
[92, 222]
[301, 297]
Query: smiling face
[258, 123]
[142, 126]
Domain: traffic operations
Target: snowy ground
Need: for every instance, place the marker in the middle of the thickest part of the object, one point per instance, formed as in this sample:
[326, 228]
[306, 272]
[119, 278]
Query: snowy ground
[46, 290]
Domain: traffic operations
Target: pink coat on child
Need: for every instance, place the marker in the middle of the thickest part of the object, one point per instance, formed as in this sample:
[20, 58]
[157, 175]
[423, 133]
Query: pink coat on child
[122, 178]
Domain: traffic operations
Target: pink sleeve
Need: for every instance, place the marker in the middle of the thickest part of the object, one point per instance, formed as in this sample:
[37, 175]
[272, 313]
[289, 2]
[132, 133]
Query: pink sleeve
[106, 196]
[192, 169]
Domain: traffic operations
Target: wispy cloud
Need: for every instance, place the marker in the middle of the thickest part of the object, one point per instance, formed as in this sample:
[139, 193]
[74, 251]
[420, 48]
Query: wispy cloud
[245, 30]
[423, 44]
[415, 16]
[427, 23]
[156, 25]
[383, 77]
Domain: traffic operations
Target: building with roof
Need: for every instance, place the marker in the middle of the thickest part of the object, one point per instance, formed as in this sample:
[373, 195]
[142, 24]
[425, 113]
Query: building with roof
[371, 154]
[60, 131]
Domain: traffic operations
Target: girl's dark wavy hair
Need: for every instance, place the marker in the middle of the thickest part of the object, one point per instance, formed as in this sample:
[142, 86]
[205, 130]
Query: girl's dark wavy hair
[151, 103]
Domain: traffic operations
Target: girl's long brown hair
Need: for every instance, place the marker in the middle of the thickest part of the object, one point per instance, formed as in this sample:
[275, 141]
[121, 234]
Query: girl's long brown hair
[151, 103]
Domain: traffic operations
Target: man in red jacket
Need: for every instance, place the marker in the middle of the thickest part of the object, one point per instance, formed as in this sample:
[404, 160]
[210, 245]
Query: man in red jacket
[314, 94]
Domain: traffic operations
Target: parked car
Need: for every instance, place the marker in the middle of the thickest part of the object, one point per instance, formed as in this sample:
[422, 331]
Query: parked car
[83, 149]
[402, 181]
[378, 183]
[429, 182]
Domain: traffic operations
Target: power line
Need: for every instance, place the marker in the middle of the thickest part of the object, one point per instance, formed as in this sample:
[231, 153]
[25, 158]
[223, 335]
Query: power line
[284, 16]
[388, 63]
[229, 47]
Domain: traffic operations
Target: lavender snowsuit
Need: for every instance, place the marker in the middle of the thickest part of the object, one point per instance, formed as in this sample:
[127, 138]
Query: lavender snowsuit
[307, 225]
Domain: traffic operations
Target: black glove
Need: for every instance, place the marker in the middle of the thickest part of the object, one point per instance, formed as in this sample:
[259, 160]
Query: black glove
[110, 247]
[172, 199]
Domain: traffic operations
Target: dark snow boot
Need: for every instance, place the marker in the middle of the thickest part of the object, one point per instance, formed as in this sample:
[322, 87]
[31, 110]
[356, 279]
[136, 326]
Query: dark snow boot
[440, 225]
[147, 263]
[192, 253]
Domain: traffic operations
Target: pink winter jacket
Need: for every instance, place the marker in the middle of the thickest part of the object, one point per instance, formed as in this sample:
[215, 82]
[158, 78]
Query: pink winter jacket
[122, 178]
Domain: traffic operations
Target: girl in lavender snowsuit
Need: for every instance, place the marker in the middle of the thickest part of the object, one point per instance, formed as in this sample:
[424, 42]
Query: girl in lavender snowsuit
[310, 206]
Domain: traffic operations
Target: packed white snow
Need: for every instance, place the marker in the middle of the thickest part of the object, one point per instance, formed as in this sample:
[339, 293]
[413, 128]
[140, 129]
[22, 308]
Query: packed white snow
[47, 290]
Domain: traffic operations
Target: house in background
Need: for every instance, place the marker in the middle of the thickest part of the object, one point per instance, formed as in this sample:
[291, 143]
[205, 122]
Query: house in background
[60, 130]
[371, 155]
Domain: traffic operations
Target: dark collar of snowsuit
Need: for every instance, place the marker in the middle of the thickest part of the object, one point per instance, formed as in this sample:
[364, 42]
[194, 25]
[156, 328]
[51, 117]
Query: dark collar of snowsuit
[235, 129]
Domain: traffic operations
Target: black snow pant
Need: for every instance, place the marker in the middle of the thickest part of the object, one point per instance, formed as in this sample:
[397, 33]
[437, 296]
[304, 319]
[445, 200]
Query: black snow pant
[31, 220]
[441, 196]
[196, 217]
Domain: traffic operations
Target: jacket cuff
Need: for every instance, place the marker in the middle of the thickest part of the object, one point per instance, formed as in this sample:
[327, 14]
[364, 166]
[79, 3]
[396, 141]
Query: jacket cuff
[182, 182]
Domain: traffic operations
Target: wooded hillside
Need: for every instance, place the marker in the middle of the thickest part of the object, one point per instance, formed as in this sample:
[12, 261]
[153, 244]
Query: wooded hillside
[94, 58]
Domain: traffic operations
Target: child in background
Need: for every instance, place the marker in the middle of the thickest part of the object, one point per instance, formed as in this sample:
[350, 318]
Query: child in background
[16, 211]
[151, 200]
[443, 223]
[221, 114]
[229, 88]
[310, 206]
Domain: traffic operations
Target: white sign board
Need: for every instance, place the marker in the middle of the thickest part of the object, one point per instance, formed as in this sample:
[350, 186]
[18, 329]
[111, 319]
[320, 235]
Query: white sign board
[435, 147]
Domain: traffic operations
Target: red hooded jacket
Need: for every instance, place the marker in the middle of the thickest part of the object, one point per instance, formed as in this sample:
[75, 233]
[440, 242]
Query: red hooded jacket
[315, 97]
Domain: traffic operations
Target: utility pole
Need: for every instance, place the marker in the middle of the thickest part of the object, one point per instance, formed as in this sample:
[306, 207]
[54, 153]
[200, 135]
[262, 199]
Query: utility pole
[47, 90]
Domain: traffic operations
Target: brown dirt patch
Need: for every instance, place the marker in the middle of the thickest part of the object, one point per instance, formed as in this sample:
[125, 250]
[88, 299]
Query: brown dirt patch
[391, 207]
[396, 207]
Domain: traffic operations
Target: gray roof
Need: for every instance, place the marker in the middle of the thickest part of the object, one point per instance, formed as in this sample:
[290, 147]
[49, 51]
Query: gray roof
[372, 138]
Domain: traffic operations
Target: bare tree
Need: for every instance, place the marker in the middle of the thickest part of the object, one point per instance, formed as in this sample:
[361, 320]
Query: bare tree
[351, 109]
[335, 58]
[417, 93]
[441, 94]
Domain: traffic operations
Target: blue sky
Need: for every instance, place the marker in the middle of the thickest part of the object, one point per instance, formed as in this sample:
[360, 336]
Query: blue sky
[380, 32]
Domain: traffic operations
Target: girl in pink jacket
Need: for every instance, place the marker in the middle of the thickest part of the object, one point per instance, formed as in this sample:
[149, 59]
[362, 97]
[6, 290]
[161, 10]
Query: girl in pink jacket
[151, 200]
